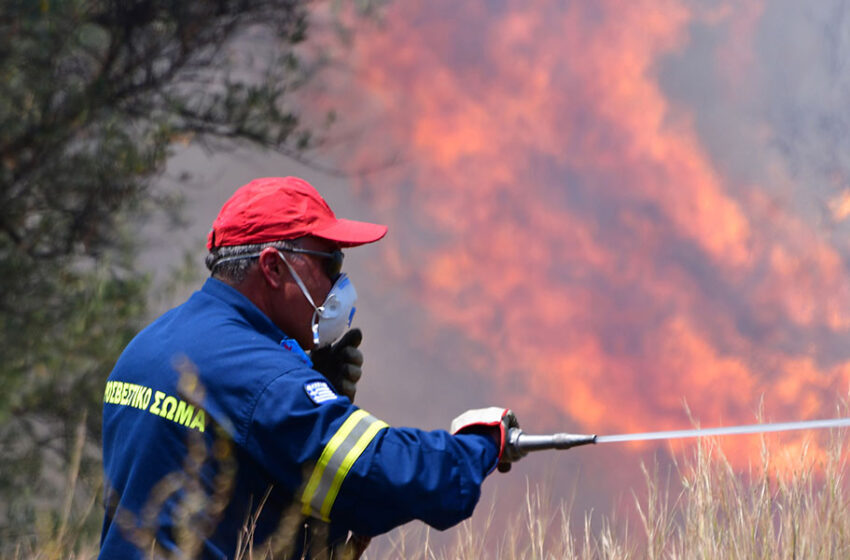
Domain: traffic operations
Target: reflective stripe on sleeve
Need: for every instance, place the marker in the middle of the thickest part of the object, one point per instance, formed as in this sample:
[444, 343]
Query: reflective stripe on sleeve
[336, 460]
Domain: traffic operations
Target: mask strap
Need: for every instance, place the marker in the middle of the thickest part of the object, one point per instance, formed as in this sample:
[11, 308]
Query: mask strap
[299, 282]
[314, 327]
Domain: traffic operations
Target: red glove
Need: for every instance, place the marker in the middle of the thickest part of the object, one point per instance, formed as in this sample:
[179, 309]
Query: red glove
[495, 422]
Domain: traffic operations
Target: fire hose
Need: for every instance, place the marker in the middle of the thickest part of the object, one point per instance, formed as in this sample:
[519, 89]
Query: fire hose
[524, 443]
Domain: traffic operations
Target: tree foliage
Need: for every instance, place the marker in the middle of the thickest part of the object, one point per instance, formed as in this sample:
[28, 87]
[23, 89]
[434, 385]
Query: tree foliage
[93, 93]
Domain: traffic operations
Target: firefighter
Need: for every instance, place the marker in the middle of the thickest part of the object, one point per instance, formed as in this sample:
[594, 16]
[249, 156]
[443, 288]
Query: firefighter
[229, 420]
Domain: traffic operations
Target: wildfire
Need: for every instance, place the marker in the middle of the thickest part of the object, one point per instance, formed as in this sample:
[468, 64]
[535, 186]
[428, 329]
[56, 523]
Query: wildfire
[579, 228]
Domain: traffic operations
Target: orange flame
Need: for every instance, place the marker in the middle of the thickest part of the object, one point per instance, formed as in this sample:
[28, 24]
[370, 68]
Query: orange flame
[578, 228]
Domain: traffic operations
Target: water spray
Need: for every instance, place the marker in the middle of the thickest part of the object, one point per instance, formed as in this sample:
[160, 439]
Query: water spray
[529, 442]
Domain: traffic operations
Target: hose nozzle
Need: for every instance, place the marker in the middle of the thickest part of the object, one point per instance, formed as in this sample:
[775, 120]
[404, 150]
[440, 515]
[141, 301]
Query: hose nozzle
[524, 443]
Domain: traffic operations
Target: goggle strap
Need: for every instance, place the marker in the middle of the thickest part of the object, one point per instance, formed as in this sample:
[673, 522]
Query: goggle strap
[234, 258]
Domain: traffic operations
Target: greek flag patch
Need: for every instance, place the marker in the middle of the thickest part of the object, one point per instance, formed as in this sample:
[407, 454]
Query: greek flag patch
[319, 392]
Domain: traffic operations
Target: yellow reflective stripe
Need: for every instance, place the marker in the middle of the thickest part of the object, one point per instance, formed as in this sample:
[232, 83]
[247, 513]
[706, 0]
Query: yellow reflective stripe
[327, 453]
[349, 460]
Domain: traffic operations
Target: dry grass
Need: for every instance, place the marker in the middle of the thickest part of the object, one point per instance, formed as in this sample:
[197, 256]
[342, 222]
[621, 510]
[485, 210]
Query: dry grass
[715, 513]
[57, 535]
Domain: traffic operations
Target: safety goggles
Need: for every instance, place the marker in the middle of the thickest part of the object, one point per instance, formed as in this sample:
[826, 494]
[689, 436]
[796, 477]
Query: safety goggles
[332, 261]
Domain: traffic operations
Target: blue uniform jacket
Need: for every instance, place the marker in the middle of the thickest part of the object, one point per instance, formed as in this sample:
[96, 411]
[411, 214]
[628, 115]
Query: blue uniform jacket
[214, 421]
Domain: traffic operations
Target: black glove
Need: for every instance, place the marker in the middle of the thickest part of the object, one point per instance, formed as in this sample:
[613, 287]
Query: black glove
[341, 363]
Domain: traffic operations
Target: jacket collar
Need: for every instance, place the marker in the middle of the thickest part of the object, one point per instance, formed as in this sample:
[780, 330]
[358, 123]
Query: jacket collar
[245, 307]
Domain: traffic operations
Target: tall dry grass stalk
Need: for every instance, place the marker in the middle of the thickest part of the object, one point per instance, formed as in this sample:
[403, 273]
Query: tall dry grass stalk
[57, 536]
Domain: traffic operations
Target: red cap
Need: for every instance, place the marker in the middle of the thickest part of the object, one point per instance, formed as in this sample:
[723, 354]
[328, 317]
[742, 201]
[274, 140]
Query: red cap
[277, 208]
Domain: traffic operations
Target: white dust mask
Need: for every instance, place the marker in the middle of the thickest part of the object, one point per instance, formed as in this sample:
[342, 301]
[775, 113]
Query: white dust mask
[335, 314]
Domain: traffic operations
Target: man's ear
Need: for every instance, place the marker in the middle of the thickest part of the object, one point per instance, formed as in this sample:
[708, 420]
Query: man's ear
[272, 267]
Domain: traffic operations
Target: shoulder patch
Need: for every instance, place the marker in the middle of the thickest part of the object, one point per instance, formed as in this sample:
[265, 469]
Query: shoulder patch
[319, 392]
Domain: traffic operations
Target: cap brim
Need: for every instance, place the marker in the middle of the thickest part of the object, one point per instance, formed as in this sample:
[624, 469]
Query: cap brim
[349, 233]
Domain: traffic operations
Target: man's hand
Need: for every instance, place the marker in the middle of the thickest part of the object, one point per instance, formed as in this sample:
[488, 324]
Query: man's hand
[495, 422]
[341, 363]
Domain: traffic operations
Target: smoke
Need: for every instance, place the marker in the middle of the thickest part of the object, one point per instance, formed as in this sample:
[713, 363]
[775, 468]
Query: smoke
[600, 213]
[608, 209]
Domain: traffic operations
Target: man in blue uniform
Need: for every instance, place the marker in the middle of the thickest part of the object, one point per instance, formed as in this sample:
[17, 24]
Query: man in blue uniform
[220, 432]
